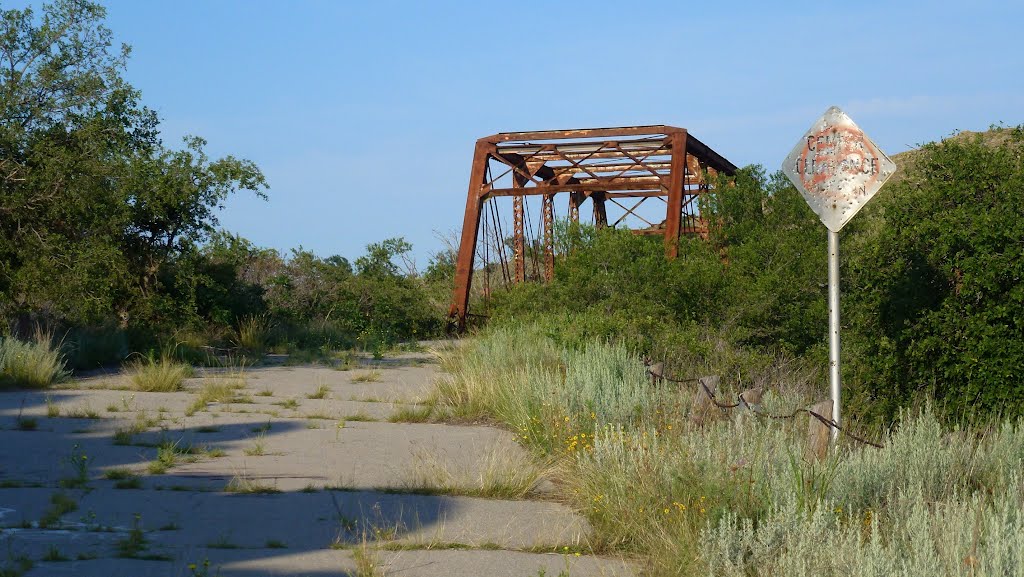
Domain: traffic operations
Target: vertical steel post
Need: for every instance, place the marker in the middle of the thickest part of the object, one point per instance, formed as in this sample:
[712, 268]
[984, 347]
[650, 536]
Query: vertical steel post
[518, 235]
[548, 208]
[470, 234]
[833, 327]
[575, 199]
[674, 208]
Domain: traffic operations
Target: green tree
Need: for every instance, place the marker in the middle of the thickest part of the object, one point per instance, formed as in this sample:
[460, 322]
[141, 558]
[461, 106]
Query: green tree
[95, 214]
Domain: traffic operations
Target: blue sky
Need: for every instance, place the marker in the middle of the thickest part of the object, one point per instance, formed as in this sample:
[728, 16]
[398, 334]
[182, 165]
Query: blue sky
[363, 115]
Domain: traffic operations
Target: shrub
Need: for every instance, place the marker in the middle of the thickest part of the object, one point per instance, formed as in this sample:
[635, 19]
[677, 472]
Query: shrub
[91, 347]
[935, 296]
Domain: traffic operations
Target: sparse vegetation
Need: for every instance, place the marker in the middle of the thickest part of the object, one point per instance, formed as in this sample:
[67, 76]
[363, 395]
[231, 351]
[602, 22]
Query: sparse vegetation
[321, 392]
[123, 478]
[367, 377]
[220, 389]
[692, 500]
[504, 472]
[243, 484]
[60, 505]
[258, 447]
[416, 414]
[288, 404]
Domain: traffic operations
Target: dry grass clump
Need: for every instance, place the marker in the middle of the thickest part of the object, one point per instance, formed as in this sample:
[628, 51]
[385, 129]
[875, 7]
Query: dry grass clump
[504, 472]
[32, 364]
[217, 389]
[161, 374]
[367, 377]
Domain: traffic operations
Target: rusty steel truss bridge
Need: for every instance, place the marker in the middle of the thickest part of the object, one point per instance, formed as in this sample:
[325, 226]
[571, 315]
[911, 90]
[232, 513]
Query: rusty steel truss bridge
[614, 168]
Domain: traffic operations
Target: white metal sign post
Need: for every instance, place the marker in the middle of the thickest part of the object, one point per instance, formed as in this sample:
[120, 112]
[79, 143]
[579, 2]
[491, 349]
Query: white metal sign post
[837, 169]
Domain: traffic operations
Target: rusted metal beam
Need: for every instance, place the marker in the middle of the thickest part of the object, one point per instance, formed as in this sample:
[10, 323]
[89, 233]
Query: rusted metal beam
[674, 210]
[470, 234]
[644, 185]
[582, 133]
[600, 213]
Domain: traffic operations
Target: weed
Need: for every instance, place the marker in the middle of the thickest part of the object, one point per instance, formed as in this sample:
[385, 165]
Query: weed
[134, 542]
[122, 437]
[202, 569]
[60, 505]
[82, 413]
[275, 544]
[222, 542]
[265, 393]
[288, 404]
[260, 429]
[52, 410]
[168, 454]
[257, 449]
[367, 377]
[112, 408]
[27, 423]
[123, 478]
[220, 389]
[360, 416]
[242, 484]
[367, 564]
[78, 462]
[54, 555]
[321, 393]
[417, 414]
[16, 567]
[208, 429]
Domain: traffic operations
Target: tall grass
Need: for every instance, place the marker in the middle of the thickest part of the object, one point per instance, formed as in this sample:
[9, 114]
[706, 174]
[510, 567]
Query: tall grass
[161, 374]
[32, 364]
[736, 497]
[254, 334]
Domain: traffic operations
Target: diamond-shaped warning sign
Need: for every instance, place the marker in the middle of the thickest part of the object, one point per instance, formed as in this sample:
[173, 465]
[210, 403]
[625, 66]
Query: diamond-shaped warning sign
[837, 168]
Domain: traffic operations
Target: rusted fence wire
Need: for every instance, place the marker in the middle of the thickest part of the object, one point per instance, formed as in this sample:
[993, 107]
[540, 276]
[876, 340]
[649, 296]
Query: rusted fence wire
[657, 372]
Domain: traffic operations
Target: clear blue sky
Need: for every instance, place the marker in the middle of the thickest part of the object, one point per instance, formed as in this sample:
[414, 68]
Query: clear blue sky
[363, 115]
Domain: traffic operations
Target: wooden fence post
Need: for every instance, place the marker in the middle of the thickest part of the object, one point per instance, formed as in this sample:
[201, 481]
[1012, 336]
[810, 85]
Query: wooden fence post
[818, 433]
[703, 409]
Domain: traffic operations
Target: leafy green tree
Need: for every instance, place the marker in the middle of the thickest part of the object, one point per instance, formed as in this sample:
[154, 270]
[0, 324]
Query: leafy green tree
[95, 213]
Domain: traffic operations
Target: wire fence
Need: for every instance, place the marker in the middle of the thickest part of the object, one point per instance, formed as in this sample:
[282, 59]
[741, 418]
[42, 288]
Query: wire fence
[702, 382]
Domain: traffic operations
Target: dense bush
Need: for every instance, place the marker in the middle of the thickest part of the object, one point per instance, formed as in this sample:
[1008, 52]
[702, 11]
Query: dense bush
[936, 296]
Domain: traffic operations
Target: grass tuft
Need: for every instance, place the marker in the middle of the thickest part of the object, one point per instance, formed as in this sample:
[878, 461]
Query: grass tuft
[161, 374]
[367, 377]
[33, 365]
